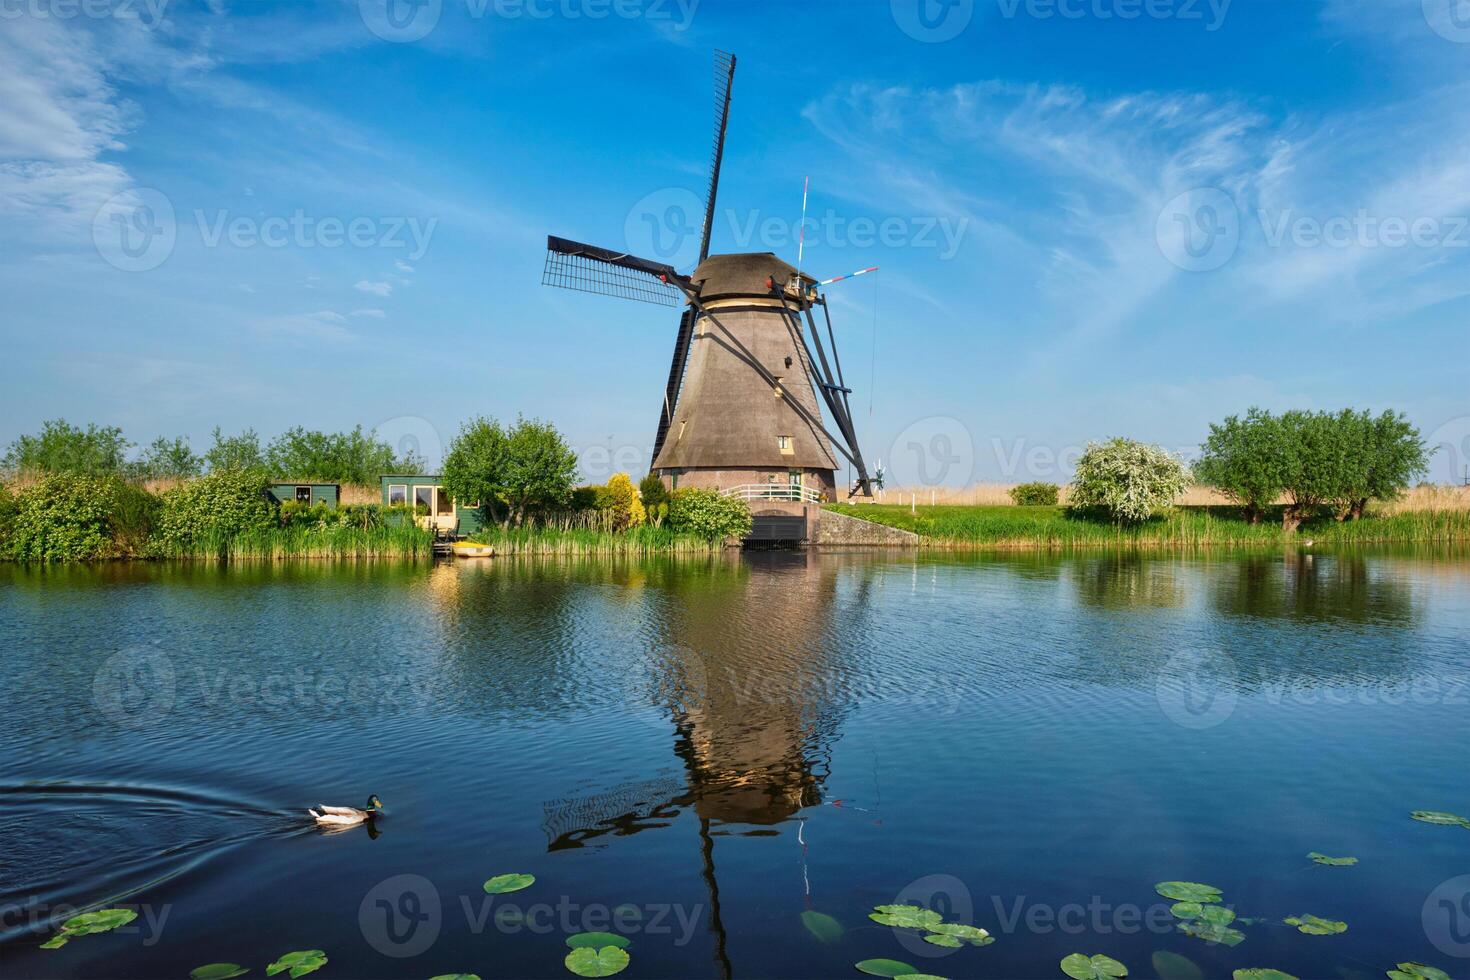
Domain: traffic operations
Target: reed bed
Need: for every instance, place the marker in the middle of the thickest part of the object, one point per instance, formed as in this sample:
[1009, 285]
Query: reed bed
[1053, 528]
[404, 540]
[578, 541]
[1427, 497]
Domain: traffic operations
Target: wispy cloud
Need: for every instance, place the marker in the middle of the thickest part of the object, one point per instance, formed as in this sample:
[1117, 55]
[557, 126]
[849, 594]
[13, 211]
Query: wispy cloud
[323, 325]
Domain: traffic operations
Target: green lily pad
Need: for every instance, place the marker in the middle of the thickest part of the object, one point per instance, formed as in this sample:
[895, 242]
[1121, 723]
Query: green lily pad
[1080, 966]
[456, 976]
[1217, 915]
[905, 916]
[300, 963]
[1417, 971]
[1172, 966]
[1313, 926]
[885, 968]
[940, 939]
[1332, 862]
[1188, 891]
[604, 962]
[822, 926]
[504, 884]
[597, 940]
[1186, 910]
[1261, 973]
[917, 976]
[89, 924]
[973, 935]
[1440, 818]
[1213, 932]
[218, 971]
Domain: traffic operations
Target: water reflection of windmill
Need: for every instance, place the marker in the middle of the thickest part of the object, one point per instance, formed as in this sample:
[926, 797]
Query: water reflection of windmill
[740, 409]
[753, 717]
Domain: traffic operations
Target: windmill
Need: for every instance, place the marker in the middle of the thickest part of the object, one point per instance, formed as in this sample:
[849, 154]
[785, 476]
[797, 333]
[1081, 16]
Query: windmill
[740, 411]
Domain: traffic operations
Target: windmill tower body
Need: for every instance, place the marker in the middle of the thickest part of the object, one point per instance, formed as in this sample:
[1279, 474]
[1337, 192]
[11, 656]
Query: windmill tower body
[731, 425]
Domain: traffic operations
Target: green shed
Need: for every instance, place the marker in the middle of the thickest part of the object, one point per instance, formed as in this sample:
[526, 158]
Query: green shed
[433, 507]
[306, 492]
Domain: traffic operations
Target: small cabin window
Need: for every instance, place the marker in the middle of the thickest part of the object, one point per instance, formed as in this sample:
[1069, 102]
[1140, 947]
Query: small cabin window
[423, 500]
[397, 493]
[303, 495]
[783, 443]
[445, 504]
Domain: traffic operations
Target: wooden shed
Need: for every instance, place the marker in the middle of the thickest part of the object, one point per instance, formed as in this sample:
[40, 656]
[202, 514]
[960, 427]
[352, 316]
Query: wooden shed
[432, 506]
[306, 492]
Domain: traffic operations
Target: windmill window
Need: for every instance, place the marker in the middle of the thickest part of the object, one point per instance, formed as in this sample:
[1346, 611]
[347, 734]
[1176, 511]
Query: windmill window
[783, 443]
[779, 379]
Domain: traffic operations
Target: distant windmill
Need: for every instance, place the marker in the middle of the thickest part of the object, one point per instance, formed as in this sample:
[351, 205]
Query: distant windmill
[740, 411]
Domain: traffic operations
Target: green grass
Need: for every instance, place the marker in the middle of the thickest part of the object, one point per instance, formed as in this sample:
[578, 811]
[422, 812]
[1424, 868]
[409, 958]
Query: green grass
[1002, 527]
[643, 540]
[403, 540]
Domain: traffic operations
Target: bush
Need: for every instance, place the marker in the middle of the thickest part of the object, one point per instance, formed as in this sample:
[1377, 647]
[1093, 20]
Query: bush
[8, 509]
[1034, 494]
[652, 492]
[73, 517]
[620, 502]
[214, 508]
[1128, 480]
[708, 515]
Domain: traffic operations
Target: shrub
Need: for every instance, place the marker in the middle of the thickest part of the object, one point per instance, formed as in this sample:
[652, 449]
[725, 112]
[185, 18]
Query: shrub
[215, 508]
[619, 500]
[1034, 494]
[1128, 480]
[708, 515]
[70, 517]
[8, 509]
[652, 492]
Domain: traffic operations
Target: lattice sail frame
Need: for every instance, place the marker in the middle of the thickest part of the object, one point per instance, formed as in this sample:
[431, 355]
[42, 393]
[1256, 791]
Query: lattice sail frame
[590, 269]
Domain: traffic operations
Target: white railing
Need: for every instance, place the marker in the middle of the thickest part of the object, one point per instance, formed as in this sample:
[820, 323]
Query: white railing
[774, 491]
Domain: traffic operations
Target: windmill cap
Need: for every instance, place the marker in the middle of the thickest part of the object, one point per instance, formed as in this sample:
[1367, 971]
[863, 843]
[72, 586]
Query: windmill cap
[743, 274]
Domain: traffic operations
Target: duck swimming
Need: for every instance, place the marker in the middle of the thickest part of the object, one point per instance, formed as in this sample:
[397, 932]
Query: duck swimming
[345, 816]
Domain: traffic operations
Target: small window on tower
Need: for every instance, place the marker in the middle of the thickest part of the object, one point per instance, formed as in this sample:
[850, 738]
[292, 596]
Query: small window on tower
[779, 379]
[783, 443]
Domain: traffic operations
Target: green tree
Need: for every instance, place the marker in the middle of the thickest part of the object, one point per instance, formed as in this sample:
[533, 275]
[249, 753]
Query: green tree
[708, 514]
[540, 470]
[652, 491]
[1397, 456]
[1314, 464]
[336, 457]
[166, 458]
[1129, 480]
[63, 448]
[474, 468]
[234, 453]
[1243, 459]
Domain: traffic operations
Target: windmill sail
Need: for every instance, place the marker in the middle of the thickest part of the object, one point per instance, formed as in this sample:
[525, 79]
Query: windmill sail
[724, 83]
[590, 269]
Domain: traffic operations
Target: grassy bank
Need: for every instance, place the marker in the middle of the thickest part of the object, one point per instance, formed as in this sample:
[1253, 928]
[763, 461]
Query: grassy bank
[544, 540]
[403, 540]
[997, 527]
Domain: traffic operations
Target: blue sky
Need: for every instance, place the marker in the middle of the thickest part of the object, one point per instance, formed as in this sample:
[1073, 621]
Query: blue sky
[1092, 217]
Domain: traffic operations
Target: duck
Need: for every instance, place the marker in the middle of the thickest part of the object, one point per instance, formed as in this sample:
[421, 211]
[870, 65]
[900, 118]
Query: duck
[345, 816]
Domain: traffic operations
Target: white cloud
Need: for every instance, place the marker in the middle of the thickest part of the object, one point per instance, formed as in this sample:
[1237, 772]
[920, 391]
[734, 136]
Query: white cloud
[323, 325]
[375, 288]
[402, 266]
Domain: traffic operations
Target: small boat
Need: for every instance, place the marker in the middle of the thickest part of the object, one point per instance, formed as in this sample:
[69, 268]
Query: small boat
[468, 549]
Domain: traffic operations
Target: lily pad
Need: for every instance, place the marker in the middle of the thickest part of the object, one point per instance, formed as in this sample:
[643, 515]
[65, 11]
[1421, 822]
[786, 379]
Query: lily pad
[1080, 966]
[822, 926]
[1440, 818]
[220, 971]
[1172, 966]
[1313, 926]
[597, 940]
[299, 963]
[1213, 932]
[940, 939]
[456, 976]
[504, 884]
[1188, 891]
[885, 968]
[1417, 971]
[1261, 973]
[905, 916]
[1332, 862]
[973, 935]
[604, 962]
[1186, 910]
[1217, 915]
[89, 924]
[917, 976]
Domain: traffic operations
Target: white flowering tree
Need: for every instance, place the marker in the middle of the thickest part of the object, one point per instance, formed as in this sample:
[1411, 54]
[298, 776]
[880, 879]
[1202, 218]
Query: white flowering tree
[1131, 481]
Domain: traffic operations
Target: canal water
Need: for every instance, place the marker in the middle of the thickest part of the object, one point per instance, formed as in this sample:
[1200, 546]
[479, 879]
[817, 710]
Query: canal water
[730, 761]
